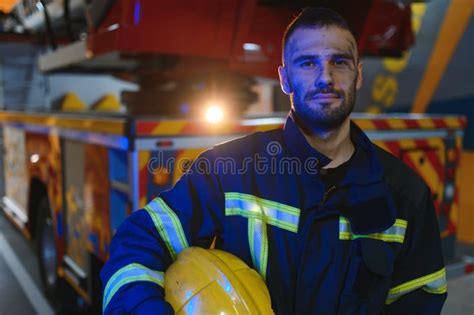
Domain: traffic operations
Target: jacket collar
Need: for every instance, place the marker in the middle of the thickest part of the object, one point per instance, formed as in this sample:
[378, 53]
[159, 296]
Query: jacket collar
[365, 166]
[297, 144]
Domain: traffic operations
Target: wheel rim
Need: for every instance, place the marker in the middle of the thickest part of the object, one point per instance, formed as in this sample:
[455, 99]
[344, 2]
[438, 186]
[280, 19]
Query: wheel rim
[48, 253]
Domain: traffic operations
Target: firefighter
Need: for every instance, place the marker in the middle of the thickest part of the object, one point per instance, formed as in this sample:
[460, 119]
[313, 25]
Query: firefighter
[331, 222]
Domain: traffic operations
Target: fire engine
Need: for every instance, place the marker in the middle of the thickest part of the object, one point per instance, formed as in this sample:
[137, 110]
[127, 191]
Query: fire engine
[71, 180]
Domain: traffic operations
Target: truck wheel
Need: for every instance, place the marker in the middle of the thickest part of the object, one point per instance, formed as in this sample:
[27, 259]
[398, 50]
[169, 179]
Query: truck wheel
[47, 254]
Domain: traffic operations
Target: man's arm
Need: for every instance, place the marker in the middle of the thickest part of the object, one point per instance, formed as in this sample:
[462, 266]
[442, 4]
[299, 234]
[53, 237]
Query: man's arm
[149, 240]
[419, 280]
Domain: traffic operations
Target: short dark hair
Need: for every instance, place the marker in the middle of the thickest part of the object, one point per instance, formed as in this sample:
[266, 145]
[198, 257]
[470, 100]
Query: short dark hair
[315, 17]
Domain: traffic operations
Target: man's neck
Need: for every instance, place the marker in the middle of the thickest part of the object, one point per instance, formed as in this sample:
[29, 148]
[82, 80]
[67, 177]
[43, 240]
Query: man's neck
[335, 143]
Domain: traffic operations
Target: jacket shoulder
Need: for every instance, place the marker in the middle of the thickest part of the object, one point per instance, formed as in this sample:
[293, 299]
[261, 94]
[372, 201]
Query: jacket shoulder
[250, 144]
[401, 178]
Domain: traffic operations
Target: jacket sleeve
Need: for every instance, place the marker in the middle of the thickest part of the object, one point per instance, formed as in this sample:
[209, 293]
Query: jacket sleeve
[419, 280]
[149, 240]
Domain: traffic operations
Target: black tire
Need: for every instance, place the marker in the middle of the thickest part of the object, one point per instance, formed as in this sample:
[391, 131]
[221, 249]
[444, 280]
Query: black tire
[46, 251]
[60, 295]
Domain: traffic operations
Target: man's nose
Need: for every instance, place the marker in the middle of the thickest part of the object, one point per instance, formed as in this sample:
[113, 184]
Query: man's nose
[325, 77]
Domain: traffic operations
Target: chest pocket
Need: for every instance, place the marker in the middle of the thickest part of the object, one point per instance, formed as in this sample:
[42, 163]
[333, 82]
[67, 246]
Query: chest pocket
[371, 263]
[260, 213]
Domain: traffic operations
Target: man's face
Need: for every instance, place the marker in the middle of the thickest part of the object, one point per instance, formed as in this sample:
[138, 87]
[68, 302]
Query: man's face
[321, 74]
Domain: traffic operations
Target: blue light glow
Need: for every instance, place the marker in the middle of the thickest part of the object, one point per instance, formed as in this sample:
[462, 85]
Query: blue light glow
[185, 108]
[137, 12]
[190, 307]
[189, 293]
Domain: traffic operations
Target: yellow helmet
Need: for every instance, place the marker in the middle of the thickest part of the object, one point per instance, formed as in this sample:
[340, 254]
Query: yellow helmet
[212, 281]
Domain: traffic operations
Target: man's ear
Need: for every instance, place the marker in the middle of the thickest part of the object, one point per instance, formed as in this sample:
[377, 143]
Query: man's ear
[359, 76]
[284, 83]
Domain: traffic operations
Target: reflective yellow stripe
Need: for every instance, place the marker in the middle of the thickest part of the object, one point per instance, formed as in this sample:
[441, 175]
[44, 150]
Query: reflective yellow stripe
[433, 283]
[440, 290]
[259, 213]
[168, 226]
[378, 236]
[258, 241]
[395, 233]
[259, 216]
[262, 202]
[127, 274]
[271, 212]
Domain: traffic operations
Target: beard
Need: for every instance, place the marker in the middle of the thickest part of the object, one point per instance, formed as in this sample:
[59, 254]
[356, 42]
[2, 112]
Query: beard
[324, 115]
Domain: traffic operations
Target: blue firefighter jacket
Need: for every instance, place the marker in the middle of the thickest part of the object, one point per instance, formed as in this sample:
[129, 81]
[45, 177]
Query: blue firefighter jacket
[369, 245]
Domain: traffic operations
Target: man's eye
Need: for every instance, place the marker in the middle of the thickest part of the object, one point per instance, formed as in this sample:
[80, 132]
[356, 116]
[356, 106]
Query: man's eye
[341, 62]
[307, 64]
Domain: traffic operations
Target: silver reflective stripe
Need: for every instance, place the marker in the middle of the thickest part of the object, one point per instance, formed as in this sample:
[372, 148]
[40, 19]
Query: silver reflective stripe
[433, 283]
[258, 242]
[259, 213]
[395, 233]
[273, 213]
[344, 226]
[168, 226]
[437, 287]
[130, 273]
